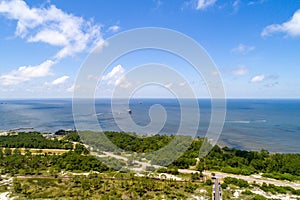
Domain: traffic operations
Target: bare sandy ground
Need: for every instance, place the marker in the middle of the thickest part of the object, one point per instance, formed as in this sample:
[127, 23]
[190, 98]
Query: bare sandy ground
[4, 196]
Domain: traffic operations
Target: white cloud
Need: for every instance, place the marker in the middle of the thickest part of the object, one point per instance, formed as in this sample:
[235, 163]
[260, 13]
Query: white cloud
[115, 73]
[26, 73]
[203, 4]
[59, 81]
[215, 72]
[72, 88]
[168, 85]
[52, 26]
[113, 29]
[92, 77]
[240, 71]
[256, 2]
[123, 82]
[49, 36]
[236, 5]
[99, 45]
[116, 77]
[243, 49]
[182, 84]
[258, 78]
[291, 27]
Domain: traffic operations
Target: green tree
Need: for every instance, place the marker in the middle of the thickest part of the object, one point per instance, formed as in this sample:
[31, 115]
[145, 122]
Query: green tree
[17, 187]
[7, 151]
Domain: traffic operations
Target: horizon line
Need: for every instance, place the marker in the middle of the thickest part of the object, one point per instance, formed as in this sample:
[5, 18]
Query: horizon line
[200, 98]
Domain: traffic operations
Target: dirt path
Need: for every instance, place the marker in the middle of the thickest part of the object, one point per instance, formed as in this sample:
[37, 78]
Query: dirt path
[255, 178]
[38, 151]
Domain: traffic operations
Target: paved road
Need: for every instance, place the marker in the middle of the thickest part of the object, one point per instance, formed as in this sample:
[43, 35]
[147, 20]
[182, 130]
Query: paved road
[216, 192]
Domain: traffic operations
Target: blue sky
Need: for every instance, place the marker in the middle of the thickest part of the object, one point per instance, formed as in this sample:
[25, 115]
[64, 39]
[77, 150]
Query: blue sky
[255, 44]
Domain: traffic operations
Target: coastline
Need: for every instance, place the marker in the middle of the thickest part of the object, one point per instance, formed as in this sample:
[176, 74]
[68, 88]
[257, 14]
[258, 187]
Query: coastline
[251, 124]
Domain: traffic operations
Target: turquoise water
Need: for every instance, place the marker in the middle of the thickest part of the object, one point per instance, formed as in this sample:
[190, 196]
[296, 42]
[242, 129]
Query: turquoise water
[250, 124]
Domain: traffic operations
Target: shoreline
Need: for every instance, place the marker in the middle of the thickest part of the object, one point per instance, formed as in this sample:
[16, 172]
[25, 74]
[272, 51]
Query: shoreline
[221, 143]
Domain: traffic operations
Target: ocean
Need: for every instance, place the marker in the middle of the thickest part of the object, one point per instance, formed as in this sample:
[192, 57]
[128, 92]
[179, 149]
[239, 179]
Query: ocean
[251, 124]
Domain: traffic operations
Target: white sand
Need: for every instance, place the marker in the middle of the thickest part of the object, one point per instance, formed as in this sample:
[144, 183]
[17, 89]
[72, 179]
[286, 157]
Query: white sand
[4, 196]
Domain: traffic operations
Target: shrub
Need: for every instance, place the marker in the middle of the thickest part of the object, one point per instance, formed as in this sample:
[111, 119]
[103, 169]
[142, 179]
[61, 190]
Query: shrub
[259, 197]
[208, 182]
[247, 192]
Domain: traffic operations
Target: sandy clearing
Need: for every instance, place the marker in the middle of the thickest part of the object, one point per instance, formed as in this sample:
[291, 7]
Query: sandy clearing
[4, 196]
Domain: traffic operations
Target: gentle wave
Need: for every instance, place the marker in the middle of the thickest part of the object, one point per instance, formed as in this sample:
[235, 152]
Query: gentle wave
[239, 122]
[246, 121]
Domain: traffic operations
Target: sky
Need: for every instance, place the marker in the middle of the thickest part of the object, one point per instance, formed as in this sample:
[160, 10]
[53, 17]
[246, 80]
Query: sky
[254, 44]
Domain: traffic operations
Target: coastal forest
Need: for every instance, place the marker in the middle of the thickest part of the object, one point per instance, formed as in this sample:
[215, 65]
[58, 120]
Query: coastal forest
[229, 160]
[62, 165]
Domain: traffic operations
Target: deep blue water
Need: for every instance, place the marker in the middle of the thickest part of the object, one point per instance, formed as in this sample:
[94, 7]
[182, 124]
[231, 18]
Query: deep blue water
[250, 124]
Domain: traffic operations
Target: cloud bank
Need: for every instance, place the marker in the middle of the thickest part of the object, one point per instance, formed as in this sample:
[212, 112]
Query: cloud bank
[26, 73]
[50, 25]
